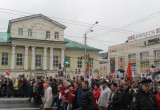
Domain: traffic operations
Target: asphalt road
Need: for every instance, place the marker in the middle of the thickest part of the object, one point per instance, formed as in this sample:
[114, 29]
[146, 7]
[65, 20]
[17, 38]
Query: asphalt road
[17, 104]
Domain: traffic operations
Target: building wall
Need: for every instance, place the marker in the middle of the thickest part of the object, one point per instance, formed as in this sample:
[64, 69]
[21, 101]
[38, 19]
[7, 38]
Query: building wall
[74, 54]
[135, 47]
[39, 27]
[6, 49]
[103, 69]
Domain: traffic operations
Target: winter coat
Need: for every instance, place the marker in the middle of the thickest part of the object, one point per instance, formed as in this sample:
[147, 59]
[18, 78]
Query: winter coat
[143, 101]
[48, 97]
[70, 96]
[127, 98]
[116, 102]
[158, 100]
[96, 95]
[87, 101]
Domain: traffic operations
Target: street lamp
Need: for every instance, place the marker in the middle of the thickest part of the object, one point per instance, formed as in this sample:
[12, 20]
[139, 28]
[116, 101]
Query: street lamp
[85, 38]
[85, 42]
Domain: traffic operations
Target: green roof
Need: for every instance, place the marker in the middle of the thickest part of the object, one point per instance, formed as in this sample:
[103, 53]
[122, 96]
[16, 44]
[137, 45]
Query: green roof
[5, 37]
[78, 46]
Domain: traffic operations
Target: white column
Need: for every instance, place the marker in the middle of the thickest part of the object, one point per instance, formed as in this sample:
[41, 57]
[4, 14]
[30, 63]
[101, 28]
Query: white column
[51, 59]
[151, 57]
[13, 58]
[138, 64]
[45, 59]
[62, 58]
[33, 59]
[116, 63]
[26, 58]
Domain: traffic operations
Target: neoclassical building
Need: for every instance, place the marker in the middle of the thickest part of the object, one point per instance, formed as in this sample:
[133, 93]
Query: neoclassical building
[35, 45]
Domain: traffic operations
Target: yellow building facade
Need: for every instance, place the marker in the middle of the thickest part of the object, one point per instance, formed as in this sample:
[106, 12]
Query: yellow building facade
[35, 46]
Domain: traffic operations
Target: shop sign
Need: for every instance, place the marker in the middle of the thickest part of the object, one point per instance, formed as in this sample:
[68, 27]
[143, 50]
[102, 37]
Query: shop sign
[144, 35]
[152, 41]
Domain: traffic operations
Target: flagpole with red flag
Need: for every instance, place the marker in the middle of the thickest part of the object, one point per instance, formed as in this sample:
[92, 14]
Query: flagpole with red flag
[129, 72]
[87, 70]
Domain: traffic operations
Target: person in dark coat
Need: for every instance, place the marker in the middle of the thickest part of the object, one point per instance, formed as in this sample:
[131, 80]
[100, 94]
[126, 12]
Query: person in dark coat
[115, 99]
[127, 96]
[9, 87]
[78, 93]
[32, 93]
[144, 100]
[87, 101]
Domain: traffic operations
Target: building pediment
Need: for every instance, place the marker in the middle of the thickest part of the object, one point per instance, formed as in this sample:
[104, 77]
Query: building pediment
[43, 19]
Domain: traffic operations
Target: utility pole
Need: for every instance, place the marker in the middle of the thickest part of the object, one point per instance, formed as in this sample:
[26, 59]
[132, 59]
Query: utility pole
[85, 38]
[85, 45]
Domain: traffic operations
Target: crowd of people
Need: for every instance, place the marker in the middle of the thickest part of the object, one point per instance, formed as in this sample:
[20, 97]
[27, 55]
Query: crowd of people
[78, 94]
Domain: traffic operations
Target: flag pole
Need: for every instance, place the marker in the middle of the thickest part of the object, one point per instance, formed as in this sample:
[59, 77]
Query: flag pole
[89, 76]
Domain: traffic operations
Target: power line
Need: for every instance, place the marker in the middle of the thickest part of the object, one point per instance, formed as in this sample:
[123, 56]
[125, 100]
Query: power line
[88, 24]
[102, 40]
[69, 36]
[133, 23]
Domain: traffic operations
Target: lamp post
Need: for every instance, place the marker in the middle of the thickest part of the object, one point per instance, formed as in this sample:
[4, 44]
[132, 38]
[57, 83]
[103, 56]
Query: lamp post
[85, 44]
[85, 38]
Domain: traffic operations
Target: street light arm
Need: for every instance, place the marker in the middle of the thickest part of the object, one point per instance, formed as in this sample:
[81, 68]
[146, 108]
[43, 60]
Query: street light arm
[90, 29]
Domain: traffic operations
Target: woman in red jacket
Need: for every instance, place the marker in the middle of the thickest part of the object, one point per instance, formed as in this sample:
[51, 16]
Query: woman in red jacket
[96, 95]
[158, 98]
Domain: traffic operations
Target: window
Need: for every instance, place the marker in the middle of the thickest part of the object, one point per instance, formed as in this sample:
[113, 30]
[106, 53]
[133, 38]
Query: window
[91, 61]
[30, 32]
[19, 59]
[121, 59]
[79, 70]
[68, 60]
[4, 58]
[144, 55]
[132, 56]
[133, 65]
[38, 60]
[157, 64]
[47, 34]
[55, 61]
[144, 65]
[20, 31]
[79, 62]
[56, 35]
[157, 53]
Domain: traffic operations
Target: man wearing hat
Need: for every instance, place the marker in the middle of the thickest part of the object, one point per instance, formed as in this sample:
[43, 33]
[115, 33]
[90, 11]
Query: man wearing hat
[144, 100]
[104, 97]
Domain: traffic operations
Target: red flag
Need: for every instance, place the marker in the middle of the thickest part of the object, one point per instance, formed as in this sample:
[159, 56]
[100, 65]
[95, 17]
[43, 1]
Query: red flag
[87, 69]
[129, 72]
[7, 73]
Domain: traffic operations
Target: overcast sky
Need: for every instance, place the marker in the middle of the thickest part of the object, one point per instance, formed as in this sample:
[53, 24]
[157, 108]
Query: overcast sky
[111, 15]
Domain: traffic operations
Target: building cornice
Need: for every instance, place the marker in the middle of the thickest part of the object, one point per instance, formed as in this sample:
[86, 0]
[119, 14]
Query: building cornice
[37, 41]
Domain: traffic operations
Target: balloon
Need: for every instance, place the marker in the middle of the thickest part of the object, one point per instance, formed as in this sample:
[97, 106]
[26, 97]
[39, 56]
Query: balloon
[45, 85]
